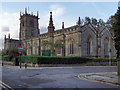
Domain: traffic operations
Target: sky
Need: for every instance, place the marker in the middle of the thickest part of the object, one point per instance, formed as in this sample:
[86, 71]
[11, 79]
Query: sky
[67, 12]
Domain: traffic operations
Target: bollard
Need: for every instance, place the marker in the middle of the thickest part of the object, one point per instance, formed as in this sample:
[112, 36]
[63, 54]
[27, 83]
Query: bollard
[118, 64]
[25, 65]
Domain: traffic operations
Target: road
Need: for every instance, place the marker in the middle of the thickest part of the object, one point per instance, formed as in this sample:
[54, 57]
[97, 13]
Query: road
[53, 77]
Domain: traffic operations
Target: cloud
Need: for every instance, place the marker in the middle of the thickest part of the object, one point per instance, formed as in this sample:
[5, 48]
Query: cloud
[9, 23]
[57, 12]
[5, 29]
[43, 29]
[1, 43]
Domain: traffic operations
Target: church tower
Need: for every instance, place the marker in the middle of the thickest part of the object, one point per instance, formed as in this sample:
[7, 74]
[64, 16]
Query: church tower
[29, 26]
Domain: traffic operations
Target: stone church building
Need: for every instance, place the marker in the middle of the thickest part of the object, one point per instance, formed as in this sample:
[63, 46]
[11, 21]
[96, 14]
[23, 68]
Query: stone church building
[78, 40]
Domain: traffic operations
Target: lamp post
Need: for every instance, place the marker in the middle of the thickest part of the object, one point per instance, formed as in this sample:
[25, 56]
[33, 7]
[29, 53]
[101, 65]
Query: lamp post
[2, 53]
[20, 59]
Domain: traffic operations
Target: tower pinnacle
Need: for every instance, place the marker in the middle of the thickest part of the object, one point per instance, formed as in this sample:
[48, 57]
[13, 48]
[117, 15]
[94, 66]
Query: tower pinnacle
[62, 25]
[79, 22]
[51, 26]
[25, 10]
[9, 36]
[51, 21]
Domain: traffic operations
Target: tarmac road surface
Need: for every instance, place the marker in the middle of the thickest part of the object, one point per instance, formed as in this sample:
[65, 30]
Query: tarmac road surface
[64, 77]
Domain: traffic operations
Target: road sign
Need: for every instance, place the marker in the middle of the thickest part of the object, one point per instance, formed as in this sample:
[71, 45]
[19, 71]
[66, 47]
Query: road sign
[20, 48]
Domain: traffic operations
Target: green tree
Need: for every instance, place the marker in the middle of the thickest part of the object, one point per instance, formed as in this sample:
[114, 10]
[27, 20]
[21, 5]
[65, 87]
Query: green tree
[87, 20]
[5, 52]
[24, 51]
[53, 45]
[94, 21]
[116, 28]
[13, 52]
[101, 22]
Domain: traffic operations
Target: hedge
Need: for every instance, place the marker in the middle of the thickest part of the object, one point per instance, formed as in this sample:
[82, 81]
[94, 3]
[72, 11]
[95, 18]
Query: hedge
[6, 58]
[0, 57]
[58, 60]
[62, 59]
[52, 60]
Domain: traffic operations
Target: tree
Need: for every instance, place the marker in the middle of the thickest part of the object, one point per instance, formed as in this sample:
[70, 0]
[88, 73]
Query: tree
[87, 20]
[101, 22]
[94, 21]
[5, 52]
[24, 51]
[110, 22]
[53, 45]
[13, 52]
[114, 25]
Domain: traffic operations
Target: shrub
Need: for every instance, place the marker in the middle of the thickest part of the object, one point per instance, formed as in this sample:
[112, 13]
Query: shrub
[6, 58]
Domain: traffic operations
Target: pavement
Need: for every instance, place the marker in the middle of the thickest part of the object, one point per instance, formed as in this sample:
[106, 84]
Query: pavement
[104, 77]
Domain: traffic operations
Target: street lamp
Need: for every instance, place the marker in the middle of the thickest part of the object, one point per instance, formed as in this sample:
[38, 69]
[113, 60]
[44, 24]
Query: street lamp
[2, 57]
[2, 53]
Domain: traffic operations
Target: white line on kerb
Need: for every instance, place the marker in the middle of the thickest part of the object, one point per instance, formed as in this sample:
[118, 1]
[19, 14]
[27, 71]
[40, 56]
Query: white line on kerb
[6, 86]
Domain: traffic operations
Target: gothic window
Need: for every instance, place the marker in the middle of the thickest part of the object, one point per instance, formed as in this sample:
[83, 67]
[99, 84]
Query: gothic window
[35, 47]
[71, 47]
[89, 46]
[58, 50]
[29, 49]
[106, 41]
[31, 24]
[35, 50]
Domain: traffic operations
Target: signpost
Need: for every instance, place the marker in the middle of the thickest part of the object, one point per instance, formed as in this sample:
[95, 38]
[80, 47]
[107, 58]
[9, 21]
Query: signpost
[20, 48]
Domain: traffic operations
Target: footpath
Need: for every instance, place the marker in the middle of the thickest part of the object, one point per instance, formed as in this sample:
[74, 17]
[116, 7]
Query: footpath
[103, 77]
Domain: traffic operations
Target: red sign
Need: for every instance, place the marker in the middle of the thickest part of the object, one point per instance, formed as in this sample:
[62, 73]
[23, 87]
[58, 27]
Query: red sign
[20, 48]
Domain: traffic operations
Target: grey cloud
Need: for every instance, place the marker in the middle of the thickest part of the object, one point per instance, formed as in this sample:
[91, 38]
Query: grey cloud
[5, 29]
[43, 30]
[1, 43]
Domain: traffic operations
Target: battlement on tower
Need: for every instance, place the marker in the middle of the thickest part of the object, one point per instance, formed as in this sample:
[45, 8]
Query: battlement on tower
[26, 13]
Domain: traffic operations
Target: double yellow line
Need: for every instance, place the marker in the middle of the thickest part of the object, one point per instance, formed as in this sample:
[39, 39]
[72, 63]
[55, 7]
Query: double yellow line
[5, 86]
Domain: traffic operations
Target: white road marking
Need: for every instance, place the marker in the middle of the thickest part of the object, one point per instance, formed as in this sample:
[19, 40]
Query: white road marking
[5, 86]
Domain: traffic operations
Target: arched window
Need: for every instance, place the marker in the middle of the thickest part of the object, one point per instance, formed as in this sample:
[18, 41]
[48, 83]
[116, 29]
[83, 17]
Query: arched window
[29, 49]
[35, 47]
[89, 46]
[58, 50]
[71, 46]
[106, 49]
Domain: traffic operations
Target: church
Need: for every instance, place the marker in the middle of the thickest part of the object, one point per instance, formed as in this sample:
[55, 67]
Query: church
[78, 40]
